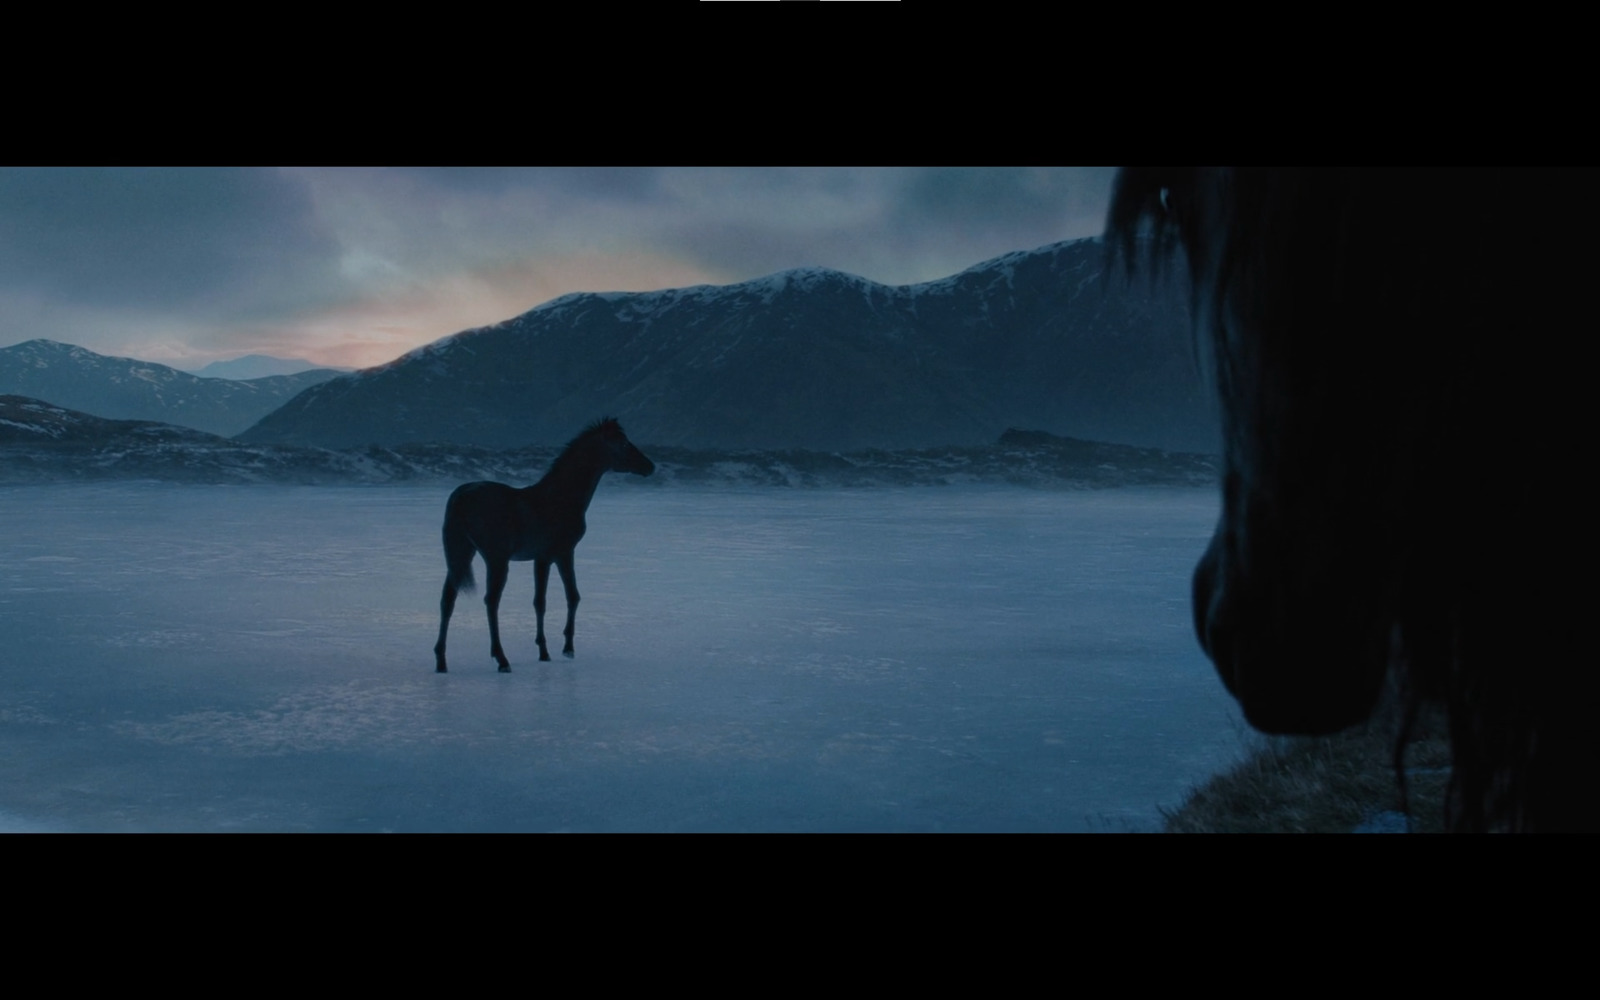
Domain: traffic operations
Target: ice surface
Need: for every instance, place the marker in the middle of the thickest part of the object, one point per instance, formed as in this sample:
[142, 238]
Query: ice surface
[259, 658]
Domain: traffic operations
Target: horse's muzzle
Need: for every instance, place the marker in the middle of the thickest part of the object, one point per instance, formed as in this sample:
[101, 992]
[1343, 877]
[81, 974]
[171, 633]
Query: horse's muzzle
[1294, 664]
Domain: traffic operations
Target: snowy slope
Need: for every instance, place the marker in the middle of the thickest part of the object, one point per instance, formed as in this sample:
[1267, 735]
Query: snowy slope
[44, 443]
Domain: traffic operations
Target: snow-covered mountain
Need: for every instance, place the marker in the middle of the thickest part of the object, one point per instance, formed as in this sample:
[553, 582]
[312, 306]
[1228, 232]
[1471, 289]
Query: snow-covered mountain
[1054, 338]
[127, 389]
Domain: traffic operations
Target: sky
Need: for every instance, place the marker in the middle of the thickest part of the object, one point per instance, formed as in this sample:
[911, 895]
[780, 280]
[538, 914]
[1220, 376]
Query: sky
[355, 266]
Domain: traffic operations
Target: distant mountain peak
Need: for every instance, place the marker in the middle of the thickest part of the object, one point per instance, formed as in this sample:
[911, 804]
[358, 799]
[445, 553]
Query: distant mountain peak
[252, 366]
[42, 347]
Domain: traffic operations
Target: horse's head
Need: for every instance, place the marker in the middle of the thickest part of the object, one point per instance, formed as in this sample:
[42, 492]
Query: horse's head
[620, 453]
[1402, 403]
[1297, 599]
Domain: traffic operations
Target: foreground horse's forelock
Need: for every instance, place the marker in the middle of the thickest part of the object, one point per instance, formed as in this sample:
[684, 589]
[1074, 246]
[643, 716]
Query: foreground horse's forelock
[1387, 350]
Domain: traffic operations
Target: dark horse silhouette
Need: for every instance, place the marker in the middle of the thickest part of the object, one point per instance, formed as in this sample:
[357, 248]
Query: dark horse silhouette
[1394, 354]
[543, 522]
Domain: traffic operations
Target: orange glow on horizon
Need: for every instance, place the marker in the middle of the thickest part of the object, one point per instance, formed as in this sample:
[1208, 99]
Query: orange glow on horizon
[377, 330]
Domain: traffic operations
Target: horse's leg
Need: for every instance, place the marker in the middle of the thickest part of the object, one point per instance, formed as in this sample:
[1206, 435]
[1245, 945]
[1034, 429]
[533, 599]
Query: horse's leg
[458, 550]
[499, 569]
[541, 579]
[447, 605]
[569, 580]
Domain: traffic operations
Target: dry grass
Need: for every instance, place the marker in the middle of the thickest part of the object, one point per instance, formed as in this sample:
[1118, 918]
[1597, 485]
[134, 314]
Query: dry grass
[1328, 784]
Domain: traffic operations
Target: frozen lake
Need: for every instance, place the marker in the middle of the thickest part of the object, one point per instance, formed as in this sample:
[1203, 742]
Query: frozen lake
[260, 658]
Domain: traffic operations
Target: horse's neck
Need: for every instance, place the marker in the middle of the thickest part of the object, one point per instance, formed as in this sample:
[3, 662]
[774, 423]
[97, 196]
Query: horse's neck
[572, 477]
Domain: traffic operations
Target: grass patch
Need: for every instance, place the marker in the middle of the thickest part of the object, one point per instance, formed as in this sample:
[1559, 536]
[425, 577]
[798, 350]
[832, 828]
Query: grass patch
[1325, 784]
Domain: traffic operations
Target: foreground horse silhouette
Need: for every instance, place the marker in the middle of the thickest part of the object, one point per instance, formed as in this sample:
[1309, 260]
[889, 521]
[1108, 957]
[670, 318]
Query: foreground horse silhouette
[1395, 356]
[543, 522]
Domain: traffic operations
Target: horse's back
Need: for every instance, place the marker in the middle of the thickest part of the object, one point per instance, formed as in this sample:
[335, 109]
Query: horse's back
[510, 523]
[479, 495]
[487, 515]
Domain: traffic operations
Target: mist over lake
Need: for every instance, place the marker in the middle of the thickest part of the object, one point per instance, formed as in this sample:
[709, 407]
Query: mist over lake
[964, 658]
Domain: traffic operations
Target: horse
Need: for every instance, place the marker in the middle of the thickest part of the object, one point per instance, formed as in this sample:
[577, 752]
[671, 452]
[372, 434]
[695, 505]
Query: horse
[1393, 352]
[543, 523]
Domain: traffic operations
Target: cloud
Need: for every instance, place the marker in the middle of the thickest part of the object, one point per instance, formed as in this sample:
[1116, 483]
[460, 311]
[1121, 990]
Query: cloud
[378, 328]
[199, 264]
[986, 197]
[894, 225]
[624, 183]
[224, 242]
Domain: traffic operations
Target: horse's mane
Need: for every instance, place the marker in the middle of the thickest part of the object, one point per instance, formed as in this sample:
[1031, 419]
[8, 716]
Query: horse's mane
[1352, 261]
[597, 427]
[572, 448]
[1139, 204]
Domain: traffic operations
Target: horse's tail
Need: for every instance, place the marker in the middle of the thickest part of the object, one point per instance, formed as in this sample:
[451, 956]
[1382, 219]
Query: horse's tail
[458, 552]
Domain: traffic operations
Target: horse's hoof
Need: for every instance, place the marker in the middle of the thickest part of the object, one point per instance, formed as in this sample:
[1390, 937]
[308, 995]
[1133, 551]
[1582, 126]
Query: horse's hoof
[544, 657]
[505, 668]
[567, 653]
[441, 669]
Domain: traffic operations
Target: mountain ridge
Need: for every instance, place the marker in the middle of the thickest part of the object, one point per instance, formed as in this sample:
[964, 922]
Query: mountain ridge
[118, 388]
[804, 358]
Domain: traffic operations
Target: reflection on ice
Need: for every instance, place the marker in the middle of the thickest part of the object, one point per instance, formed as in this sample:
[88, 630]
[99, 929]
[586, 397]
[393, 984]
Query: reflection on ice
[259, 658]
